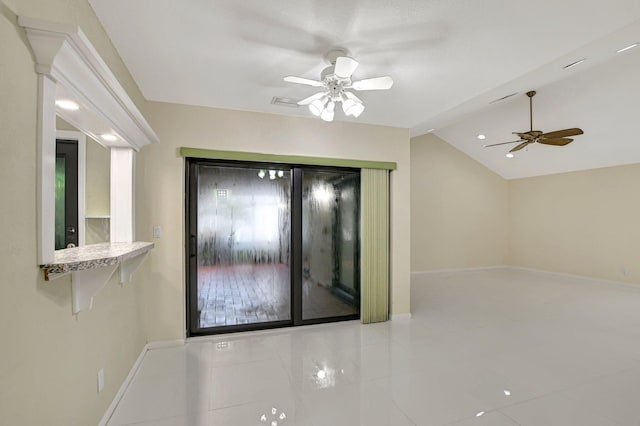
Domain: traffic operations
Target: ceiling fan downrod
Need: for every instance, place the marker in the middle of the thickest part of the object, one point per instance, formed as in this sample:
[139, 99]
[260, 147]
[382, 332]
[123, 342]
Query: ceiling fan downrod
[531, 94]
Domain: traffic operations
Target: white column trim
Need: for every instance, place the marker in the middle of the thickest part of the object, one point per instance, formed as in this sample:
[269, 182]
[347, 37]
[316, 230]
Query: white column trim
[122, 185]
[46, 158]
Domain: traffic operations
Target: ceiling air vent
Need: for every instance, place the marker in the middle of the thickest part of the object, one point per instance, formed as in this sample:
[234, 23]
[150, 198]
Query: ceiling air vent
[282, 101]
[503, 98]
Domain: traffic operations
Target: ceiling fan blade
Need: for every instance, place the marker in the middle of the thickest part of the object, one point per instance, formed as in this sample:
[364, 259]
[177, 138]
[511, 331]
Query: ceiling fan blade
[519, 147]
[307, 101]
[376, 83]
[345, 66]
[503, 143]
[556, 142]
[562, 133]
[524, 136]
[300, 80]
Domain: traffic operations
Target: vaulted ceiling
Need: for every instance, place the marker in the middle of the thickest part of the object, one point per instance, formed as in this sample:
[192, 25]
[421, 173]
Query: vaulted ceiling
[450, 59]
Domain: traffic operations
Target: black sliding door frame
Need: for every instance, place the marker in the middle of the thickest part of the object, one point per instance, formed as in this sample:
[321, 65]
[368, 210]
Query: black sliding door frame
[296, 247]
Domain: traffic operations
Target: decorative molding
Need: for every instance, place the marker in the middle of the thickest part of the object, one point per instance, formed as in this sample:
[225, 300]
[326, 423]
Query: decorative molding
[69, 67]
[65, 55]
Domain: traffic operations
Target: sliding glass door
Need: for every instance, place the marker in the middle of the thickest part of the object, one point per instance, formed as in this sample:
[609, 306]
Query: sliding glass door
[330, 244]
[270, 245]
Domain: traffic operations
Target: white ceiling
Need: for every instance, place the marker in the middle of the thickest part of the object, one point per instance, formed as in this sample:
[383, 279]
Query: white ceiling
[448, 58]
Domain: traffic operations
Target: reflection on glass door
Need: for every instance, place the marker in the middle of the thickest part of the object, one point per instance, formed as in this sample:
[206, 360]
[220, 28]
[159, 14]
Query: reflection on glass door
[243, 246]
[330, 244]
[271, 245]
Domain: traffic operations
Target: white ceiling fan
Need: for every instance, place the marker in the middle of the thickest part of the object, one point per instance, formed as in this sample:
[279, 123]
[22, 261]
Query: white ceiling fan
[336, 80]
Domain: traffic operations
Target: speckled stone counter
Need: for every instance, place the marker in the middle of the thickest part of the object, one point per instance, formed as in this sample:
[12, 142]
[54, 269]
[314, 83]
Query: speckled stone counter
[94, 256]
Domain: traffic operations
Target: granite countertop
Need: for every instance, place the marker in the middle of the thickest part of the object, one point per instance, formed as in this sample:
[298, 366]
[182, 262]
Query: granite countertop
[94, 256]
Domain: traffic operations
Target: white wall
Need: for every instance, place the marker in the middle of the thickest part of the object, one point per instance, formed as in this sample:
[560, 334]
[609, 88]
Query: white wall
[459, 209]
[160, 184]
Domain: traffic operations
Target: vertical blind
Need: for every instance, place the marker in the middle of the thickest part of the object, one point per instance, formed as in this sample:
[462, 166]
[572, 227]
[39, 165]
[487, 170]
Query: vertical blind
[375, 245]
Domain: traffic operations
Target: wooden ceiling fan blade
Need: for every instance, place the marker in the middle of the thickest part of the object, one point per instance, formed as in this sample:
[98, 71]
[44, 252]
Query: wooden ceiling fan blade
[562, 133]
[519, 147]
[556, 142]
[502, 143]
[524, 136]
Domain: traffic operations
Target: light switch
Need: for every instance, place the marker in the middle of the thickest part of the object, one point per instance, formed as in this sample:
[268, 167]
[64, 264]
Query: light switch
[157, 231]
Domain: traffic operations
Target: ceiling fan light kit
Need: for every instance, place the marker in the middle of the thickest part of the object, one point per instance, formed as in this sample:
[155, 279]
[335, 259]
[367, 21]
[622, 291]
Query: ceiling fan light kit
[557, 138]
[336, 82]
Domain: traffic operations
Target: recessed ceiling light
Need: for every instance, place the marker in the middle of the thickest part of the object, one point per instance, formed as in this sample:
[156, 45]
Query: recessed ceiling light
[67, 104]
[509, 155]
[507, 392]
[480, 414]
[481, 137]
[109, 137]
[573, 64]
[631, 46]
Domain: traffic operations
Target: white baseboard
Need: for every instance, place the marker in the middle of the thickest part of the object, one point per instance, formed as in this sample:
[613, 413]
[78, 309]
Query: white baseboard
[477, 268]
[123, 387]
[401, 317]
[132, 373]
[165, 344]
[599, 281]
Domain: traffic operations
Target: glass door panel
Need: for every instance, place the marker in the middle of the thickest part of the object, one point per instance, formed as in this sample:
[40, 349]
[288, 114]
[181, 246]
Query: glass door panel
[243, 246]
[330, 244]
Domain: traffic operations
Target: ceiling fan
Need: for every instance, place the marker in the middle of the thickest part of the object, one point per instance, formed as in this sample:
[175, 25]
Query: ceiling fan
[335, 80]
[557, 138]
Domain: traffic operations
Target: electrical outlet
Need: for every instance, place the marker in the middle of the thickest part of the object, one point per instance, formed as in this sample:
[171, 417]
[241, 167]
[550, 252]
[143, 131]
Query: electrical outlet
[100, 380]
[625, 270]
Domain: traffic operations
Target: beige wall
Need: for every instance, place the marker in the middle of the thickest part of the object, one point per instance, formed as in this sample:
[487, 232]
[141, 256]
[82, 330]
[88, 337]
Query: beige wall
[49, 358]
[583, 223]
[459, 209]
[463, 215]
[160, 184]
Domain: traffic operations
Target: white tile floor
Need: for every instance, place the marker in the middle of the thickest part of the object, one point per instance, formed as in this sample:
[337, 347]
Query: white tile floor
[565, 350]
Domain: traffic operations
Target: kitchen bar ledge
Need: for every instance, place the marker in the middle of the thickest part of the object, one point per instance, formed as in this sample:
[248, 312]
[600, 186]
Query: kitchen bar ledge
[92, 266]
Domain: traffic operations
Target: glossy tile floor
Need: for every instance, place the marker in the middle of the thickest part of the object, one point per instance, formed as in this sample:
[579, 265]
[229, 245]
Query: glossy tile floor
[249, 294]
[492, 347]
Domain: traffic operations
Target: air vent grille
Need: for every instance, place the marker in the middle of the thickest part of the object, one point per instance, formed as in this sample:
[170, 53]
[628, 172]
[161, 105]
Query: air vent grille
[288, 102]
[503, 98]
